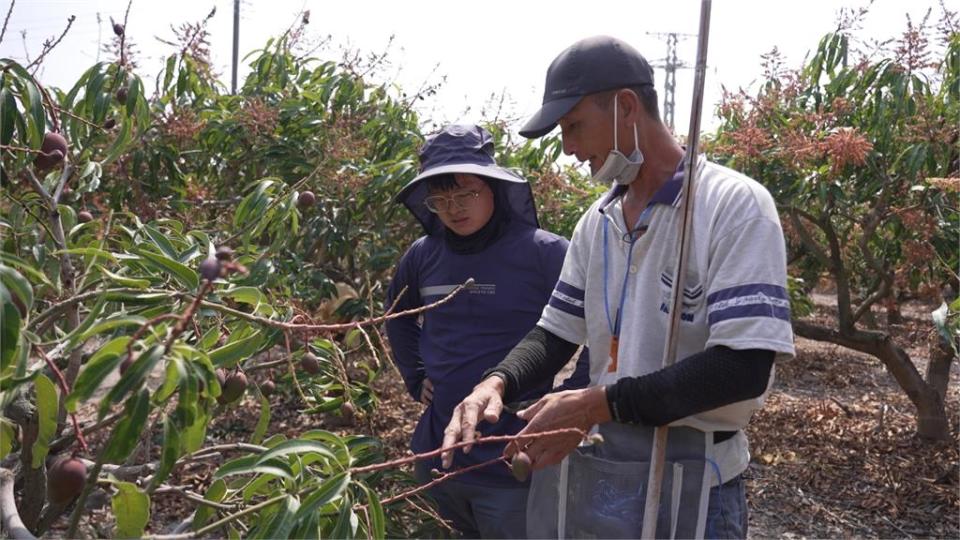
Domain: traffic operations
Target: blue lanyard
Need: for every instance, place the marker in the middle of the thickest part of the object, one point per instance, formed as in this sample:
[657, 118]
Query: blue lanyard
[614, 322]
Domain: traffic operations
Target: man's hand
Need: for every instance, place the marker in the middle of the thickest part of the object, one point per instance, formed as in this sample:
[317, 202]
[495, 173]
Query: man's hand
[426, 391]
[486, 398]
[580, 409]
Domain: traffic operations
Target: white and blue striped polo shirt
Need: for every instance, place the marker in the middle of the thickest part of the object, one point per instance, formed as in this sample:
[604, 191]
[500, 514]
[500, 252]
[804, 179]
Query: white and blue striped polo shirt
[734, 292]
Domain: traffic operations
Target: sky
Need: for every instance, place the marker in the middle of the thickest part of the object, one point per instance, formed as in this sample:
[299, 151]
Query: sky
[482, 54]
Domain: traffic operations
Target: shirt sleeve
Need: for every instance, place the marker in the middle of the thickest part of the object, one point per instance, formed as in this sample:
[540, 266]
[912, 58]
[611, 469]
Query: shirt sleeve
[748, 306]
[564, 313]
[403, 333]
[580, 378]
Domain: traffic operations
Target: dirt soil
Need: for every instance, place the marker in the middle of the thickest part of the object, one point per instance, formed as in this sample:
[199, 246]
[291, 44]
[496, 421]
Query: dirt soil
[834, 454]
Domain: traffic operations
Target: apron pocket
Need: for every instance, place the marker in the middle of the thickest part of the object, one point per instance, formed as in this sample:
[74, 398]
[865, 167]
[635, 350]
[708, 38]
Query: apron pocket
[605, 498]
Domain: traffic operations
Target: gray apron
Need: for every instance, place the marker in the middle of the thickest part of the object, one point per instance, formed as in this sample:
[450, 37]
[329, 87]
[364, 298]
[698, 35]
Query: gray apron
[599, 491]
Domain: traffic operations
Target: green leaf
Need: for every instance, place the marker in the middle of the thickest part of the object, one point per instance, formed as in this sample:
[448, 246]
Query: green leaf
[283, 521]
[47, 408]
[87, 321]
[170, 452]
[137, 298]
[174, 374]
[133, 283]
[133, 95]
[113, 323]
[132, 378]
[329, 490]
[127, 433]
[297, 447]
[251, 465]
[100, 365]
[263, 422]
[216, 492]
[161, 241]
[229, 354]
[196, 433]
[9, 328]
[18, 286]
[119, 144]
[92, 252]
[25, 268]
[8, 115]
[131, 507]
[7, 435]
[181, 273]
[251, 296]
[378, 520]
[346, 526]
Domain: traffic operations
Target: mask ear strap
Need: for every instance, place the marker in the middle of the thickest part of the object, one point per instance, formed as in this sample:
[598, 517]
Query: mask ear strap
[636, 140]
[615, 145]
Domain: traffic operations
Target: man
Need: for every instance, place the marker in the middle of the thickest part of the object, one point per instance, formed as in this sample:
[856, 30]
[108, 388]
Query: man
[480, 223]
[614, 294]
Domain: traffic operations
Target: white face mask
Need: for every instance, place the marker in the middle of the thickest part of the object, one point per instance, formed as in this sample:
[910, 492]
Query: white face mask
[618, 167]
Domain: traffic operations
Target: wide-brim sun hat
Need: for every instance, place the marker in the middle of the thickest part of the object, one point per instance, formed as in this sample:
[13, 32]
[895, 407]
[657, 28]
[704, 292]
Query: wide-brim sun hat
[469, 149]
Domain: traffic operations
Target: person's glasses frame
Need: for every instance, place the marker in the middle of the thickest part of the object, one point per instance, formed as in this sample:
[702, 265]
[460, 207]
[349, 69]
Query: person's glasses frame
[441, 203]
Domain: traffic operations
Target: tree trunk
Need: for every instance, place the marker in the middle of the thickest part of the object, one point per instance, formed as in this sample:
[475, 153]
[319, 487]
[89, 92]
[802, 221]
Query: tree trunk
[932, 422]
[938, 369]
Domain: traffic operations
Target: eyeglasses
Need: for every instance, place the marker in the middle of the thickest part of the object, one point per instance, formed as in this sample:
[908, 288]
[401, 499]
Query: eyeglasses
[441, 203]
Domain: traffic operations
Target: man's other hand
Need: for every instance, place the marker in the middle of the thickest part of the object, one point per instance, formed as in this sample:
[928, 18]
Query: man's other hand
[579, 409]
[486, 399]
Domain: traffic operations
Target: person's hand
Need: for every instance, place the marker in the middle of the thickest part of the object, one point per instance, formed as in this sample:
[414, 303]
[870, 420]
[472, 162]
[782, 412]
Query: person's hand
[580, 409]
[486, 398]
[426, 391]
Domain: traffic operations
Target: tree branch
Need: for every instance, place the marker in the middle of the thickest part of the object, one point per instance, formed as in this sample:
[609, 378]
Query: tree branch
[47, 45]
[12, 523]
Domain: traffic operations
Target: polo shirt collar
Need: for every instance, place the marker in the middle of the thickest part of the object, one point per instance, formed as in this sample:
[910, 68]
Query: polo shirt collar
[668, 194]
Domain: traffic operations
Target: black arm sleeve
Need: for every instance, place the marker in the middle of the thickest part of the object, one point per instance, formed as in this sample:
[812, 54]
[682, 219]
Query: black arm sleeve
[713, 378]
[538, 357]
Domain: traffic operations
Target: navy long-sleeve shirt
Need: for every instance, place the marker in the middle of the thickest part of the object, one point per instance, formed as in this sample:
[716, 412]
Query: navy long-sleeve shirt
[454, 344]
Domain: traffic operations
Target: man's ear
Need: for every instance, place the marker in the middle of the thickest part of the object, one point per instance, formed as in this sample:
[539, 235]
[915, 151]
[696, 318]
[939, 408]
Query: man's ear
[630, 109]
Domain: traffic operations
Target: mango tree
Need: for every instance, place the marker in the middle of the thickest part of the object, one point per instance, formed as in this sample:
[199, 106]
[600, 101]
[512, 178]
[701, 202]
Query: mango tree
[855, 151]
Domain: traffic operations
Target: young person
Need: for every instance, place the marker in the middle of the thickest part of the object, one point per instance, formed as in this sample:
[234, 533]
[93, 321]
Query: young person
[481, 223]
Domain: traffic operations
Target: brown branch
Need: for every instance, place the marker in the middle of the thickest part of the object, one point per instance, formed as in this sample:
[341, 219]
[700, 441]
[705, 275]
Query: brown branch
[13, 148]
[48, 46]
[872, 221]
[442, 478]
[187, 316]
[68, 437]
[143, 329]
[61, 110]
[193, 497]
[123, 36]
[12, 523]
[335, 327]
[805, 237]
[3, 32]
[480, 440]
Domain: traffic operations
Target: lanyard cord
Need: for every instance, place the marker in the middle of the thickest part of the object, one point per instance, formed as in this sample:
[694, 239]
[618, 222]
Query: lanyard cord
[614, 324]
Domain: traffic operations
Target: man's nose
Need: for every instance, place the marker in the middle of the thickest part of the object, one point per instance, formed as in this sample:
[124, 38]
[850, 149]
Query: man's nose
[569, 148]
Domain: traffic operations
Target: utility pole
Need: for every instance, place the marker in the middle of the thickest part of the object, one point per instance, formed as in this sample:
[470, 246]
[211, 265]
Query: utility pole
[670, 65]
[236, 44]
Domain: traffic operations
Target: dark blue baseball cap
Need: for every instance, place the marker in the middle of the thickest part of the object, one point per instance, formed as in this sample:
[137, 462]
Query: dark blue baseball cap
[591, 65]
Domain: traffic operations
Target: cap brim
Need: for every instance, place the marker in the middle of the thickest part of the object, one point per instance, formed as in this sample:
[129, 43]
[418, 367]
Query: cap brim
[544, 120]
[490, 171]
